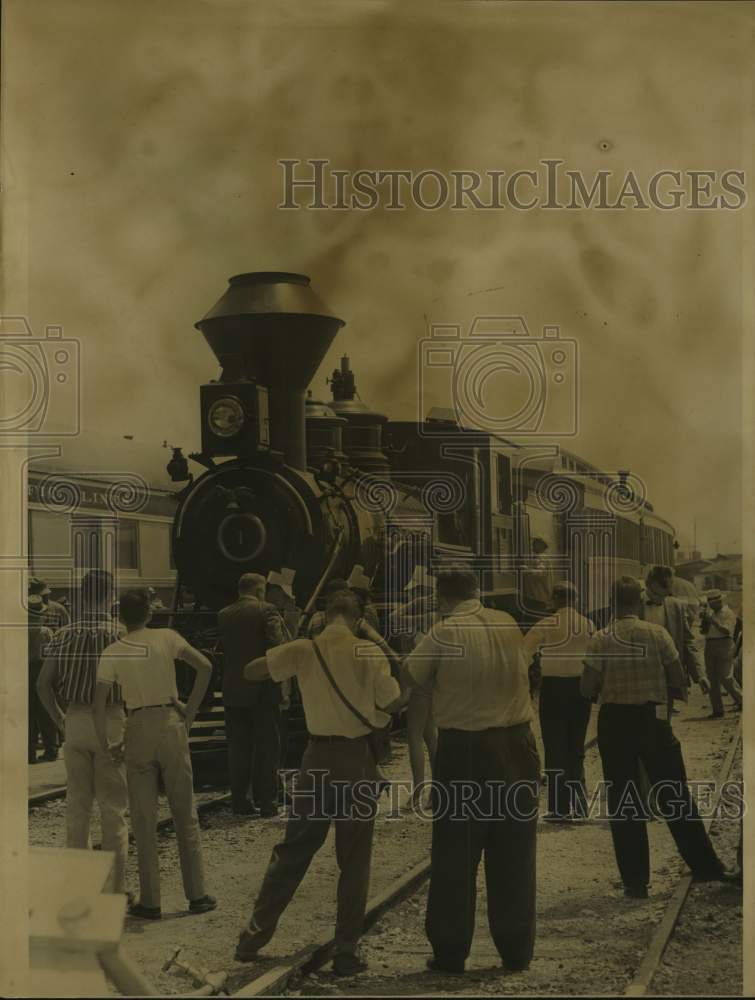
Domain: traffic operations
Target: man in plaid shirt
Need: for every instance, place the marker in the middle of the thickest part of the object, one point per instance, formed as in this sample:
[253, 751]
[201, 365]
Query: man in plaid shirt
[634, 667]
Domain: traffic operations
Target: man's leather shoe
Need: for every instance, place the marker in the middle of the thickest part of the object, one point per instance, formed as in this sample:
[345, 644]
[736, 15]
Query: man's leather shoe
[203, 905]
[732, 876]
[269, 810]
[345, 963]
[636, 891]
[245, 810]
[245, 951]
[509, 967]
[144, 912]
[445, 965]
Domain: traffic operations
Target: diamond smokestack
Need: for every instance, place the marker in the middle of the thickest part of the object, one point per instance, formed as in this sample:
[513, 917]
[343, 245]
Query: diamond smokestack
[272, 327]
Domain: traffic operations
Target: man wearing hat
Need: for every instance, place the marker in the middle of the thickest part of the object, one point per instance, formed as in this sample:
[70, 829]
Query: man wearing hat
[411, 620]
[717, 625]
[155, 603]
[361, 584]
[54, 615]
[280, 593]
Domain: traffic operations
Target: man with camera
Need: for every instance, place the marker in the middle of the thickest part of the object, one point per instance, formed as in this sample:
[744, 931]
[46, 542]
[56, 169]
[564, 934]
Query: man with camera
[345, 685]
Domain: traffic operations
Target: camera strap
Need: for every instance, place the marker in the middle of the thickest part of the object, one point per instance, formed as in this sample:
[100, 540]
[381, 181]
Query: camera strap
[352, 708]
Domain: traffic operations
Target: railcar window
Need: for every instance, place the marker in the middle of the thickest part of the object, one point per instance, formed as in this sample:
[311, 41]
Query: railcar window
[452, 528]
[49, 535]
[503, 477]
[504, 548]
[627, 539]
[128, 544]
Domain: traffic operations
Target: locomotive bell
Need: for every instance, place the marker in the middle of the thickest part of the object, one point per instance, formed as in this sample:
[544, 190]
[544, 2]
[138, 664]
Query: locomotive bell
[362, 435]
[268, 330]
[323, 430]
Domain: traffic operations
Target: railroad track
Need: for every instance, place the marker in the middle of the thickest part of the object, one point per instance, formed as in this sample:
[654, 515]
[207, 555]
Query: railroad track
[207, 806]
[650, 964]
[39, 798]
[274, 981]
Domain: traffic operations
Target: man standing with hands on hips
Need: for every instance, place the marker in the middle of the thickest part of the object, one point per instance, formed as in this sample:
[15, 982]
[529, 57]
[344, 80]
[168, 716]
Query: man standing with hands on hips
[156, 745]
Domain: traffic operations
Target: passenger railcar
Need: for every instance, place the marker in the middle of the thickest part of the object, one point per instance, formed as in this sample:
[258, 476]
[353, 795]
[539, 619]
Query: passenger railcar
[303, 490]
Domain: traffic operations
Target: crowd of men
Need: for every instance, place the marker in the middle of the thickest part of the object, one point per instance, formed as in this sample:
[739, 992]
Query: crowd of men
[466, 674]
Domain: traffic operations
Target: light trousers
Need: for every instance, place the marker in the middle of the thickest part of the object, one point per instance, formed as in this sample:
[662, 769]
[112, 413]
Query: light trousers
[91, 774]
[719, 666]
[157, 746]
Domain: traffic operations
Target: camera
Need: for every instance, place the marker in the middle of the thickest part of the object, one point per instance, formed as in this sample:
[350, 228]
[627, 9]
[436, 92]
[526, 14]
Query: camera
[39, 379]
[500, 379]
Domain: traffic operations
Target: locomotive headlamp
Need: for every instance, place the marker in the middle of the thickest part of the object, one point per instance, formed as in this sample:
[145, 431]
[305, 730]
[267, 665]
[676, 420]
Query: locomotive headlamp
[235, 418]
[226, 416]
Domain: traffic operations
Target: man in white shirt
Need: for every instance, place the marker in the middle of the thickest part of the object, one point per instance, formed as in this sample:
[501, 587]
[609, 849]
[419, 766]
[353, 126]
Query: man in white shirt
[485, 778]
[338, 773]
[156, 745]
[561, 640]
[717, 625]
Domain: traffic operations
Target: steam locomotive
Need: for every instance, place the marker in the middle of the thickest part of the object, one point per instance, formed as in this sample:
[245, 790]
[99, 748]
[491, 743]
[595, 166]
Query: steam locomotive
[303, 491]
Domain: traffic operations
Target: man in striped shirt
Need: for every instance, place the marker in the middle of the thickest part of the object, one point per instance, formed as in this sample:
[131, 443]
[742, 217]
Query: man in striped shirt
[69, 676]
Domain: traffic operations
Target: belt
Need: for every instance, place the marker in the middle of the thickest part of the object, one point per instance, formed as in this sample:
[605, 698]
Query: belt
[491, 729]
[335, 739]
[165, 704]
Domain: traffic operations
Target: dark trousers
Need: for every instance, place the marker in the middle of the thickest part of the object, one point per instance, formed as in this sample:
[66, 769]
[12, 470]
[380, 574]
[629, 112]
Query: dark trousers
[40, 723]
[254, 749]
[564, 716]
[501, 767]
[344, 792]
[719, 666]
[529, 613]
[282, 723]
[628, 735]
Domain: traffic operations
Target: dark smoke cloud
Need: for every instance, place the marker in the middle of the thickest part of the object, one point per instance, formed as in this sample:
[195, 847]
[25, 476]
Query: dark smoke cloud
[152, 177]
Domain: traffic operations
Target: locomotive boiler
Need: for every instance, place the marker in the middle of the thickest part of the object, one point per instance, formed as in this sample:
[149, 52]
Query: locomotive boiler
[262, 504]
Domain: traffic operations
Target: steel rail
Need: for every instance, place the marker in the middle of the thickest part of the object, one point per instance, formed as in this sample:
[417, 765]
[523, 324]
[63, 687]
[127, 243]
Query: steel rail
[643, 977]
